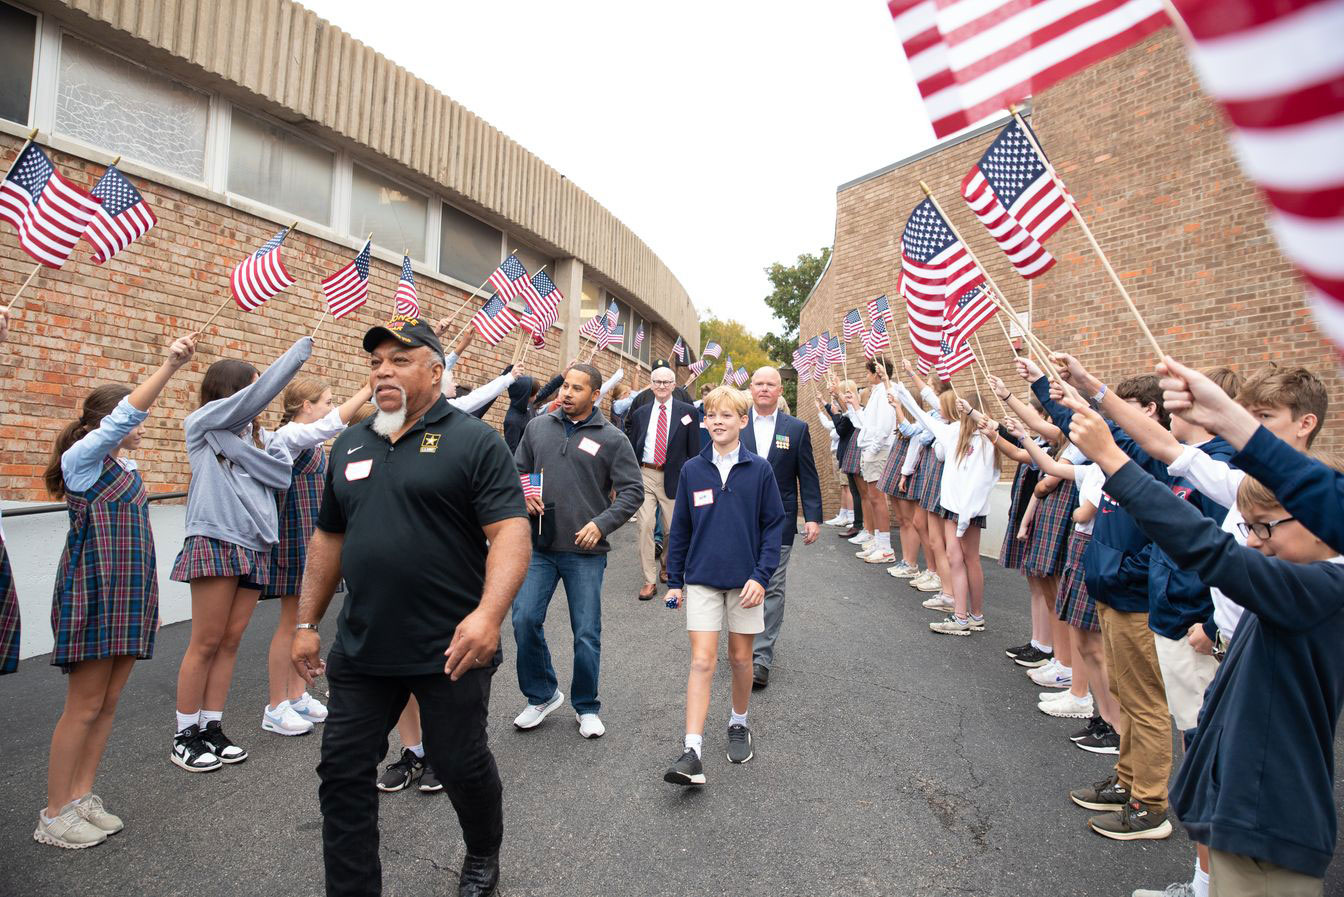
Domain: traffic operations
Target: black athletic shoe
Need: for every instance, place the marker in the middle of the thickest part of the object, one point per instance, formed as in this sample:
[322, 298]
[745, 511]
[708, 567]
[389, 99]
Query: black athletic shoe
[401, 773]
[1104, 740]
[1101, 796]
[687, 770]
[1015, 653]
[1089, 729]
[739, 744]
[1033, 657]
[190, 752]
[479, 876]
[429, 783]
[220, 744]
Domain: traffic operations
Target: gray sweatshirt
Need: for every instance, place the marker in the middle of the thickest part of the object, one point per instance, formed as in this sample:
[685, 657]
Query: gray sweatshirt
[580, 471]
[233, 483]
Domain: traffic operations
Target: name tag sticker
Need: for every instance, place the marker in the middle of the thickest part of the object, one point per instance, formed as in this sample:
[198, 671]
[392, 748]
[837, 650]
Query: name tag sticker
[588, 445]
[685, 420]
[358, 470]
[703, 497]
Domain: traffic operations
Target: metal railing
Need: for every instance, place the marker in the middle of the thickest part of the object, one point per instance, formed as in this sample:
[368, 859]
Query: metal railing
[61, 506]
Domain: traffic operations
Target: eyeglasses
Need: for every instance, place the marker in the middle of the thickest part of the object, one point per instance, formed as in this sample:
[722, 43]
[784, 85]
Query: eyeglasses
[663, 382]
[1262, 530]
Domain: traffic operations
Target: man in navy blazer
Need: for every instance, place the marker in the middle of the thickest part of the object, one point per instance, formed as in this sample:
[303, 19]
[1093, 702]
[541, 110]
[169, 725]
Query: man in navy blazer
[678, 424]
[784, 441]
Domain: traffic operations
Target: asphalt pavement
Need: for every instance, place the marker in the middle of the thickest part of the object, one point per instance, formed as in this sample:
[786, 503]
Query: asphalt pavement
[889, 761]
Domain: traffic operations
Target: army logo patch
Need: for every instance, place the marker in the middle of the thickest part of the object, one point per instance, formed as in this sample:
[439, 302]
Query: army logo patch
[430, 443]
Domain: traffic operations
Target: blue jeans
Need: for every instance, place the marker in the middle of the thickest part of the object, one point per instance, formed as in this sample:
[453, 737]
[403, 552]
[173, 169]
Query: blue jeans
[582, 576]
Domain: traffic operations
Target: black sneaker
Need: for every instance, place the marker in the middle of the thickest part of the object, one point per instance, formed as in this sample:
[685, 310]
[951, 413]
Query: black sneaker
[401, 773]
[220, 744]
[739, 744]
[1033, 657]
[1089, 729]
[1105, 795]
[1104, 740]
[429, 783]
[190, 752]
[687, 770]
[1015, 653]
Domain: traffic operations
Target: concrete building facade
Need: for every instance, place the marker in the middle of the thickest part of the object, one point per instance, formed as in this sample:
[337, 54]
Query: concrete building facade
[1144, 153]
[234, 120]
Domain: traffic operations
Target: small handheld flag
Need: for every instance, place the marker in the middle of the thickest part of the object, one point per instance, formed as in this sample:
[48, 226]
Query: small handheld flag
[260, 276]
[494, 321]
[531, 483]
[406, 304]
[50, 213]
[613, 314]
[740, 377]
[876, 339]
[121, 219]
[510, 280]
[880, 308]
[712, 350]
[679, 350]
[699, 367]
[541, 311]
[612, 336]
[348, 288]
[853, 325]
[935, 267]
[639, 339]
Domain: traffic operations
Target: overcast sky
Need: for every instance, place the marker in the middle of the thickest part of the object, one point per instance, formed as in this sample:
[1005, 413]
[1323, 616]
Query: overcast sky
[717, 131]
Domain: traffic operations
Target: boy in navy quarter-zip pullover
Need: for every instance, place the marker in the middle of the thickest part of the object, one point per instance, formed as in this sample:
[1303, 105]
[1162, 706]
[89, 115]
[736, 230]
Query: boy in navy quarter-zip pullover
[723, 547]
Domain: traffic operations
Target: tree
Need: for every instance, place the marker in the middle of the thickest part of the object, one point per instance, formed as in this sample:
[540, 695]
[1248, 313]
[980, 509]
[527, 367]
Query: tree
[792, 285]
[738, 344]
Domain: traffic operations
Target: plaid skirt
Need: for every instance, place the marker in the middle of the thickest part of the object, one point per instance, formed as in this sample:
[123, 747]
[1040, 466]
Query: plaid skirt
[203, 556]
[931, 490]
[1050, 531]
[9, 616]
[890, 480]
[1072, 603]
[1014, 549]
[850, 462]
[106, 599]
[296, 511]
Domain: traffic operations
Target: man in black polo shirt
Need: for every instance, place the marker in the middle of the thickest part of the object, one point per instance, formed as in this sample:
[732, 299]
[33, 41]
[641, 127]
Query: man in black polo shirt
[412, 496]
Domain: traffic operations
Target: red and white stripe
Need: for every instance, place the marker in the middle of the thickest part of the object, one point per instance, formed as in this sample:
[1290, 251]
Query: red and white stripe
[972, 58]
[1277, 68]
[49, 228]
[955, 360]
[1037, 213]
[346, 290]
[111, 234]
[927, 288]
[493, 329]
[259, 278]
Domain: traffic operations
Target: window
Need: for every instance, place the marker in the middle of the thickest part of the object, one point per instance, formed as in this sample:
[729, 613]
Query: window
[107, 102]
[469, 249]
[18, 37]
[394, 214]
[272, 165]
[534, 261]
[591, 300]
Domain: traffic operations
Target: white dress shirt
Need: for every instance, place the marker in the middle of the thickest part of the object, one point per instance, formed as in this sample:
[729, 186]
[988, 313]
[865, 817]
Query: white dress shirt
[651, 434]
[763, 425]
[1218, 481]
[724, 463]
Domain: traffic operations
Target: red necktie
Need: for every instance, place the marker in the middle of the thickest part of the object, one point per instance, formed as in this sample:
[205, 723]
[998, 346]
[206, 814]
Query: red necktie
[660, 437]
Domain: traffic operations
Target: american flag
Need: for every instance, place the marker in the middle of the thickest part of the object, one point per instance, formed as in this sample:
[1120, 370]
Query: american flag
[741, 377]
[494, 321]
[510, 280]
[971, 61]
[261, 275]
[935, 267]
[541, 312]
[802, 364]
[835, 353]
[727, 370]
[1278, 71]
[876, 339]
[593, 327]
[639, 339]
[1012, 193]
[123, 217]
[612, 336]
[679, 350]
[406, 303]
[971, 309]
[613, 314]
[954, 354]
[852, 328]
[531, 483]
[348, 288]
[698, 367]
[50, 213]
[880, 307]
[712, 350]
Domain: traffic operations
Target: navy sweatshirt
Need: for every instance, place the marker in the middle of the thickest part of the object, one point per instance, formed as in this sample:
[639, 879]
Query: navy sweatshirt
[1258, 777]
[723, 534]
[1309, 490]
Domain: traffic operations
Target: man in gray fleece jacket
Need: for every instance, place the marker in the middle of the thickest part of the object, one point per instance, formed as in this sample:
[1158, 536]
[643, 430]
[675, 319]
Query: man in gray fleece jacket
[582, 459]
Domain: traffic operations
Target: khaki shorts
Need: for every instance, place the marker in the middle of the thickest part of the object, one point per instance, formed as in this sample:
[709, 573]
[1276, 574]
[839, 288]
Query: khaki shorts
[871, 467]
[706, 609]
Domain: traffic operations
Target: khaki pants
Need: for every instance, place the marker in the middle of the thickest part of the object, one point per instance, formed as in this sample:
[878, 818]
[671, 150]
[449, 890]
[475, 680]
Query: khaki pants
[1233, 875]
[654, 497]
[1136, 683]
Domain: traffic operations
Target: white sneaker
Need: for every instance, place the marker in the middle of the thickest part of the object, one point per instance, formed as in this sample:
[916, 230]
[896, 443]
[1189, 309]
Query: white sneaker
[940, 602]
[837, 520]
[68, 830]
[880, 556]
[533, 714]
[866, 548]
[860, 538]
[1045, 697]
[90, 808]
[932, 584]
[283, 720]
[1068, 707]
[1052, 675]
[914, 582]
[310, 708]
[904, 570]
[950, 625]
[590, 725]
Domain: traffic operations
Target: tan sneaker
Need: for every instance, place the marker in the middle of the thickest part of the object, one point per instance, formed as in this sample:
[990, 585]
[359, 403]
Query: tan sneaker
[68, 830]
[90, 808]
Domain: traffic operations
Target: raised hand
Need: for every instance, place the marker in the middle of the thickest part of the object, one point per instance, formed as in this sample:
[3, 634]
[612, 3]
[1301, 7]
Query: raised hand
[996, 386]
[1192, 396]
[1028, 369]
[180, 352]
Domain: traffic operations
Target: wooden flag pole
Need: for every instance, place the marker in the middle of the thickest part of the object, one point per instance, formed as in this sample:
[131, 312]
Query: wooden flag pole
[1087, 232]
[984, 369]
[321, 319]
[23, 286]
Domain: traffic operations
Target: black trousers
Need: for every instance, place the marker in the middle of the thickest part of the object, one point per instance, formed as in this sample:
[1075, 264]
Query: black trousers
[856, 493]
[363, 710]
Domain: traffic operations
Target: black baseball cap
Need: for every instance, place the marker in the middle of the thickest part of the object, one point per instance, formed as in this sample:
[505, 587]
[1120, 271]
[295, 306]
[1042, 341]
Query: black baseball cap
[660, 363]
[407, 331]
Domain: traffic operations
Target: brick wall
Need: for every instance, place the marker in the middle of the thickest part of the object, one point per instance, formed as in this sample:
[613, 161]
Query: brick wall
[87, 325]
[1144, 153]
